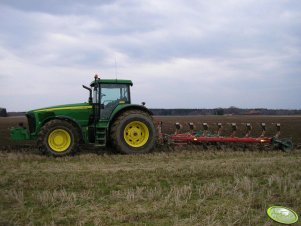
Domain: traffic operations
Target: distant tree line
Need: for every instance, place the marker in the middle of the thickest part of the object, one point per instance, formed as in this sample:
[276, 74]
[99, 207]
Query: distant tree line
[224, 111]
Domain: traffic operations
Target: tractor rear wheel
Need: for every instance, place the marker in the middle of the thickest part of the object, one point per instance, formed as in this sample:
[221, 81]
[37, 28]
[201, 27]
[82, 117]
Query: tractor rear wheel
[58, 138]
[133, 132]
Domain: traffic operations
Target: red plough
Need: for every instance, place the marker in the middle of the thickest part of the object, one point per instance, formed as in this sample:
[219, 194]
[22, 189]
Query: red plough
[205, 137]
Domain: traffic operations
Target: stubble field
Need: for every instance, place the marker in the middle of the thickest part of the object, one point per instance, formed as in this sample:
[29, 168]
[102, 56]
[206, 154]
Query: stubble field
[182, 186]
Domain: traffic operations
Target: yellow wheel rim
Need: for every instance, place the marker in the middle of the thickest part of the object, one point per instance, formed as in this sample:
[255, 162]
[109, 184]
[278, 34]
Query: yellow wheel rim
[59, 140]
[136, 134]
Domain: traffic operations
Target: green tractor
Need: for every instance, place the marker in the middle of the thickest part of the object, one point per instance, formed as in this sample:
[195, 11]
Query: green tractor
[108, 118]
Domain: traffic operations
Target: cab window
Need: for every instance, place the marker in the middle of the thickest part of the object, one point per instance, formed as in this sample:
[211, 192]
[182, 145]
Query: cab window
[111, 95]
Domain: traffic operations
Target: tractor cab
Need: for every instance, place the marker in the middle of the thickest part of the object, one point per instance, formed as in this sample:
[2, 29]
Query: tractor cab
[107, 94]
[112, 95]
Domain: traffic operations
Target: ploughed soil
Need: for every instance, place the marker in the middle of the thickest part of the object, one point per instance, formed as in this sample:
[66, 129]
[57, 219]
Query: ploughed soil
[290, 126]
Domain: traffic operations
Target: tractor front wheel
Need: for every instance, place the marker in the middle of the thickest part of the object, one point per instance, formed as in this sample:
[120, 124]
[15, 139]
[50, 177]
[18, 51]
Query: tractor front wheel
[133, 132]
[58, 138]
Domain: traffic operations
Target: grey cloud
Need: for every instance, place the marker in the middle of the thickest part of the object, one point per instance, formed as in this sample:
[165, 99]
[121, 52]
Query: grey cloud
[56, 6]
[222, 49]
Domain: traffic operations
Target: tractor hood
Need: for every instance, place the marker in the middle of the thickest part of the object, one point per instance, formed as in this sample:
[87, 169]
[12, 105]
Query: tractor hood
[77, 114]
[66, 107]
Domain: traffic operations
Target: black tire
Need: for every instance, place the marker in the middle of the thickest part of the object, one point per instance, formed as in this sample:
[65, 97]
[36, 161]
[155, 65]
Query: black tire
[53, 133]
[122, 143]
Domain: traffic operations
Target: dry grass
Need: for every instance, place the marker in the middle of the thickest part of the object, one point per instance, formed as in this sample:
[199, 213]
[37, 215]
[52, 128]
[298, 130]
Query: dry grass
[164, 188]
[176, 187]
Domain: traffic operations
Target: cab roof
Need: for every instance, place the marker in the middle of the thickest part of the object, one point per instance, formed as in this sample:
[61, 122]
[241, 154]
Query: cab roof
[112, 81]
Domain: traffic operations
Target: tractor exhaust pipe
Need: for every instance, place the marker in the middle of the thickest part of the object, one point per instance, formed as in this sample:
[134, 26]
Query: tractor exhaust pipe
[90, 95]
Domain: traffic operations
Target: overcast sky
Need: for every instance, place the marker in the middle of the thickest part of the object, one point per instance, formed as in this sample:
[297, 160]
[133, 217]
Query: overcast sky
[179, 54]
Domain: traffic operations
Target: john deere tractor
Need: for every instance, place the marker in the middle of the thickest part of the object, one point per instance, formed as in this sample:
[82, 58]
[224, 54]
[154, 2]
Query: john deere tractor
[108, 118]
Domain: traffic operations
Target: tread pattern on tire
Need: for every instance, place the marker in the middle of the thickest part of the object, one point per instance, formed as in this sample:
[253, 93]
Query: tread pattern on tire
[50, 126]
[114, 132]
